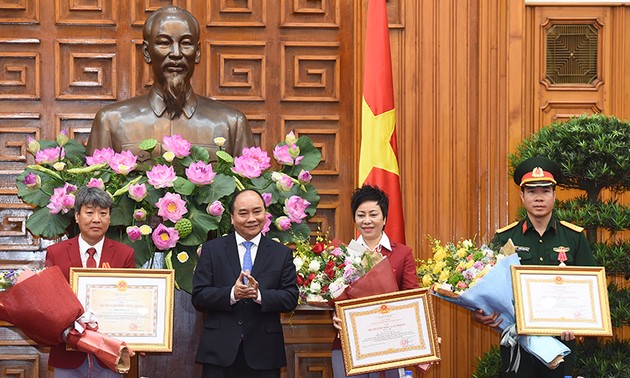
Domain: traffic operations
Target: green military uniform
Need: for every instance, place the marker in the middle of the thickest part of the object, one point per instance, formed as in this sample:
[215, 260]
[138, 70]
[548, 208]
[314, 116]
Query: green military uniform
[534, 249]
[561, 242]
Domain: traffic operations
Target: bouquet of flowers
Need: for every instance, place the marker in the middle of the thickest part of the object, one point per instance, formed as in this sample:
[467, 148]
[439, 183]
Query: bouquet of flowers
[480, 278]
[170, 203]
[330, 270]
[46, 309]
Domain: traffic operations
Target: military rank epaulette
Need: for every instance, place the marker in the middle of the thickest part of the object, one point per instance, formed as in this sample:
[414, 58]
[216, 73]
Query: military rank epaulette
[509, 226]
[572, 226]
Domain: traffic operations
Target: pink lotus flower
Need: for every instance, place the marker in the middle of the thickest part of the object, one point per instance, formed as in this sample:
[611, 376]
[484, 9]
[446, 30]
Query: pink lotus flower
[50, 155]
[267, 224]
[33, 181]
[283, 223]
[134, 233]
[161, 176]
[295, 207]
[62, 199]
[123, 163]
[32, 146]
[200, 173]
[251, 163]
[177, 145]
[283, 181]
[69, 188]
[267, 198]
[215, 209]
[290, 138]
[282, 156]
[287, 154]
[139, 215]
[164, 237]
[171, 207]
[304, 177]
[96, 183]
[137, 192]
[101, 156]
[62, 138]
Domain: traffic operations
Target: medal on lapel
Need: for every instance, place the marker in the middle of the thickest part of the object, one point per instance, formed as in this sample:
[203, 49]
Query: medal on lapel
[562, 254]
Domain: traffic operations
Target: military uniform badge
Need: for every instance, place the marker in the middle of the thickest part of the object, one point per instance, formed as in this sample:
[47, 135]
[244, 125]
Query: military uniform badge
[562, 254]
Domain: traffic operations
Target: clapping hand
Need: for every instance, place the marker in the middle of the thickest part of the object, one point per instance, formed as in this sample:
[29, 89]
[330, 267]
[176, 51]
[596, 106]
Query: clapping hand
[248, 290]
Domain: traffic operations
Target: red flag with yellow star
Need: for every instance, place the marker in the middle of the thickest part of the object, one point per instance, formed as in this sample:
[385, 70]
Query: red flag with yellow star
[378, 161]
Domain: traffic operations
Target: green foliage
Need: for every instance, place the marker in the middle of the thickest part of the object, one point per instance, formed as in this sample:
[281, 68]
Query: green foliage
[488, 365]
[50, 186]
[608, 360]
[609, 215]
[619, 300]
[593, 152]
[614, 257]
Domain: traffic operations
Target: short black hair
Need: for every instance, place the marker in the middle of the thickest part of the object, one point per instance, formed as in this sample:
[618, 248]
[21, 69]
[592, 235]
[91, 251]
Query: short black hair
[89, 196]
[171, 9]
[233, 200]
[369, 193]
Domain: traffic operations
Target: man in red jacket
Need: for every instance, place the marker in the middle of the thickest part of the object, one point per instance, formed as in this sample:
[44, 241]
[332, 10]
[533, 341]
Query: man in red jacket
[90, 249]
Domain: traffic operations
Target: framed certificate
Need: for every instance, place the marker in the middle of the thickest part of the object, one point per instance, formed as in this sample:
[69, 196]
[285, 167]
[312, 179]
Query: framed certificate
[132, 305]
[549, 300]
[388, 331]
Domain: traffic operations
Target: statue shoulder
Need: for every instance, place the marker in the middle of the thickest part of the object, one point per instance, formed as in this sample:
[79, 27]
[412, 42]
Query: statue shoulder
[572, 226]
[131, 105]
[506, 228]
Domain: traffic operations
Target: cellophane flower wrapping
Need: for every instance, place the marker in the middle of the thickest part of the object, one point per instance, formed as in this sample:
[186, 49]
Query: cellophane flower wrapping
[493, 292]
[330, 270]
[43, 306]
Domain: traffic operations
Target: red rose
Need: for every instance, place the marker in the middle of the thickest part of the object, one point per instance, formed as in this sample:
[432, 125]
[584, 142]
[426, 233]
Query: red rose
[300, 279]
[318, 248]
[309, 279]
[330, 269]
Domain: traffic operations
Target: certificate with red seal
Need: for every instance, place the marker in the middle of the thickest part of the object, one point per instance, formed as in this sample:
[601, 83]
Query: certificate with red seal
[133, 305]
[549, 300]
[388, 331]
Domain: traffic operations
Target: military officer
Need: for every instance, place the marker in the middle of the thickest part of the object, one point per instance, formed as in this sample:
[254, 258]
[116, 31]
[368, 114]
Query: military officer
[540, 239]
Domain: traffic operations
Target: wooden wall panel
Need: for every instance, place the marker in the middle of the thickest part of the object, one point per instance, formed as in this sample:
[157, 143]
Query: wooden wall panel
[467, 77]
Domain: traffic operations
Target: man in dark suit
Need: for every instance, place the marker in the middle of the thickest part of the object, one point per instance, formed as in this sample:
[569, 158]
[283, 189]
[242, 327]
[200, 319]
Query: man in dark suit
[89, 249]
[242, 283]
[171, 46]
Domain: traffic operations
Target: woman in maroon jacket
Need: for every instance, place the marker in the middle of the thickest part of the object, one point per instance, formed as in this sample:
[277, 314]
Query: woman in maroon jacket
[369, 205]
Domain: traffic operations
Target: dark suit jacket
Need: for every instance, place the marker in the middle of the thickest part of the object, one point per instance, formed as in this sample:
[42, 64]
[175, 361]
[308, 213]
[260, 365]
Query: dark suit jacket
[258, 324]
[66, 254]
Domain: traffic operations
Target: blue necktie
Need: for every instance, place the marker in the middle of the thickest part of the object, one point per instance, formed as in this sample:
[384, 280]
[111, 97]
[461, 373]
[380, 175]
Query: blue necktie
[247, 258]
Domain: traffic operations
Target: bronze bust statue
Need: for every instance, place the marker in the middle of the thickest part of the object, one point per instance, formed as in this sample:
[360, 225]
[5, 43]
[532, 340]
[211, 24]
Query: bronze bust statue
[171, 45]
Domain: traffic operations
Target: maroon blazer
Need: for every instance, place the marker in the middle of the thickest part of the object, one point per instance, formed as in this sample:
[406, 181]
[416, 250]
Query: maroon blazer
[66, 254]
[404, 267]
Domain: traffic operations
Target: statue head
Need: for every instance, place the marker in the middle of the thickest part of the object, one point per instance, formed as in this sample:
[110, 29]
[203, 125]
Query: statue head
[171, 46]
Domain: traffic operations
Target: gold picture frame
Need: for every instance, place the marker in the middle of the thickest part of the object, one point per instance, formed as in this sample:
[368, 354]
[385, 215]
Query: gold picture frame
[132, 305]
[551, 299]
[388, 331]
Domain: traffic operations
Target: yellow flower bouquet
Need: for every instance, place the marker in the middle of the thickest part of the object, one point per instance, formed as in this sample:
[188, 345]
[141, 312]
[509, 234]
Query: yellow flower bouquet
[480, 278]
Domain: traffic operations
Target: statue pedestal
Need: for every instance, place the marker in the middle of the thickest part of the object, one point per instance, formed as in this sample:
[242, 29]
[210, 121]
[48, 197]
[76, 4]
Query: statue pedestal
[187, 326]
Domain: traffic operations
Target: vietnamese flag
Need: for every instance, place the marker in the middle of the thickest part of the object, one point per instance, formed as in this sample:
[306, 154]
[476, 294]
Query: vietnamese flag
[378, 161]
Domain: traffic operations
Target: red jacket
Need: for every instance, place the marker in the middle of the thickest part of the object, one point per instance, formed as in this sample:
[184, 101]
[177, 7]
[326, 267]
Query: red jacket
[404, 267]
[66, 254]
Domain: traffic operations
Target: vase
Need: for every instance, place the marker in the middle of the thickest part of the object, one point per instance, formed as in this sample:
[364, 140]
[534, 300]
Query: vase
[156, 262]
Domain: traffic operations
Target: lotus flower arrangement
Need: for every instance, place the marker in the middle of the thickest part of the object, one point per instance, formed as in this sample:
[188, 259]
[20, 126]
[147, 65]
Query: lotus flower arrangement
[174, 202]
